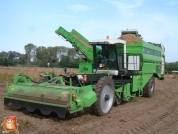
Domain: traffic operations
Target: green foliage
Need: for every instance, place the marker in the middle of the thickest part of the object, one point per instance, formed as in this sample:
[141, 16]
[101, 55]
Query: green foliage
[64, 62]
[30, 50]
[71, 60]
[172, 66]
[10, 58]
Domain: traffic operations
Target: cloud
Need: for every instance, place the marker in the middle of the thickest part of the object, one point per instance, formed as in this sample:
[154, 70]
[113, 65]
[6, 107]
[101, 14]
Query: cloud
[126, 8]
[127, 4]
[79, 8]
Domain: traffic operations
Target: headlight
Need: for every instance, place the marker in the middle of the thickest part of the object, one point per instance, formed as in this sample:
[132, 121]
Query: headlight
[101, 65]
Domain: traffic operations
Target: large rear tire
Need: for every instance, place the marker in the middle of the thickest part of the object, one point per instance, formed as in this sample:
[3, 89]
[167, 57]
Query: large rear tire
[149, 88]
[105, 96]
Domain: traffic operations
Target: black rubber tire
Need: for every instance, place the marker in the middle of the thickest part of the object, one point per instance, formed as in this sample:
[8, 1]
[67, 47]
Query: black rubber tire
[117, 101]
[162, 78]
[149, 88]
[104, 87]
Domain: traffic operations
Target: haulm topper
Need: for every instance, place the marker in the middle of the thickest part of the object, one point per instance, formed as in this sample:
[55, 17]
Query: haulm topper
[115, 71]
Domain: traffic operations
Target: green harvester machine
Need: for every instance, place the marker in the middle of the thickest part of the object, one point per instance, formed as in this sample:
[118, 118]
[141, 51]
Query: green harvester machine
[114, 71]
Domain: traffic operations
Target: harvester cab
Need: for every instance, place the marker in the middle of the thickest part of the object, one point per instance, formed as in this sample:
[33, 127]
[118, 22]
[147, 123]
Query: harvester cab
[109, 56]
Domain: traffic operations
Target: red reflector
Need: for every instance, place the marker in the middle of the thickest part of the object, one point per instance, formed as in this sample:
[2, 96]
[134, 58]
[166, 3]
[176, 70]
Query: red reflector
[85, 78]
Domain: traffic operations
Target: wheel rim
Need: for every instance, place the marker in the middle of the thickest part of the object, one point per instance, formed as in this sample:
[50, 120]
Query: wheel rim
[152, 86]
[106, 99]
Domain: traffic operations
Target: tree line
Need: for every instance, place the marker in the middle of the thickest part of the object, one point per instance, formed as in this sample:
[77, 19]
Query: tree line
[58, 56]
[171, 67]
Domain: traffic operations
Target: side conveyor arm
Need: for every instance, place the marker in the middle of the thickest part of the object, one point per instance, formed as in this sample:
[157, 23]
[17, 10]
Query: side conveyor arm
[78, 41]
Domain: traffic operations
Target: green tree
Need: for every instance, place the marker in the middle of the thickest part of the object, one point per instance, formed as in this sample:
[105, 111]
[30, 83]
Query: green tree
[3, 56]
[52, 55]
[10, 58]
[172, 66]
[72, 53]
[30, 50]
[65, 61]
[74, 63]
[61, 51]
[41, 56]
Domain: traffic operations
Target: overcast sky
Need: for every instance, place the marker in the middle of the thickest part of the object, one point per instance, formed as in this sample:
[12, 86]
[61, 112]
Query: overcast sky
[35, 21]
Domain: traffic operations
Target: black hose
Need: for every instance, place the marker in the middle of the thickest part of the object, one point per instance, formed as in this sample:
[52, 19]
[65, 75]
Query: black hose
[49, 81]
[93, 75]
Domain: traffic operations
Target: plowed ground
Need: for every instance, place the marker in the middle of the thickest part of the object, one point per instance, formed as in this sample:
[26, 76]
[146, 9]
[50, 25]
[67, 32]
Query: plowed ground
[158, 114]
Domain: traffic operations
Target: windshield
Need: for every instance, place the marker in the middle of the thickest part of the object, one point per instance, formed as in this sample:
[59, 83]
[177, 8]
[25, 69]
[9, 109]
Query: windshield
[105, 55]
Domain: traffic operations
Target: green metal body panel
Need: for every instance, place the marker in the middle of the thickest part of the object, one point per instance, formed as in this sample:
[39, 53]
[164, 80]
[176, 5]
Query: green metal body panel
[150, 56]
[139, 82]
[139, 48]
[81, 37]
[56, 95]
[144, 79]
[85, 98]
[134, 88]
[86, 67]
[150, 65]
[126, 90]
[135, 83]
[51, 94]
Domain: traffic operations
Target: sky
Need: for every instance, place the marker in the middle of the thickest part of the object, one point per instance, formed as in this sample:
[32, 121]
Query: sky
[35, 21]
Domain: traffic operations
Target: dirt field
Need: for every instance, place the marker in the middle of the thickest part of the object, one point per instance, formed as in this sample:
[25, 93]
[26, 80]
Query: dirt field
[158, 114]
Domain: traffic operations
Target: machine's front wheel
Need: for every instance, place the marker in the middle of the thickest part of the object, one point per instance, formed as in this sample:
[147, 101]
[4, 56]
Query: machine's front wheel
[149, 88]
[105, 96]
